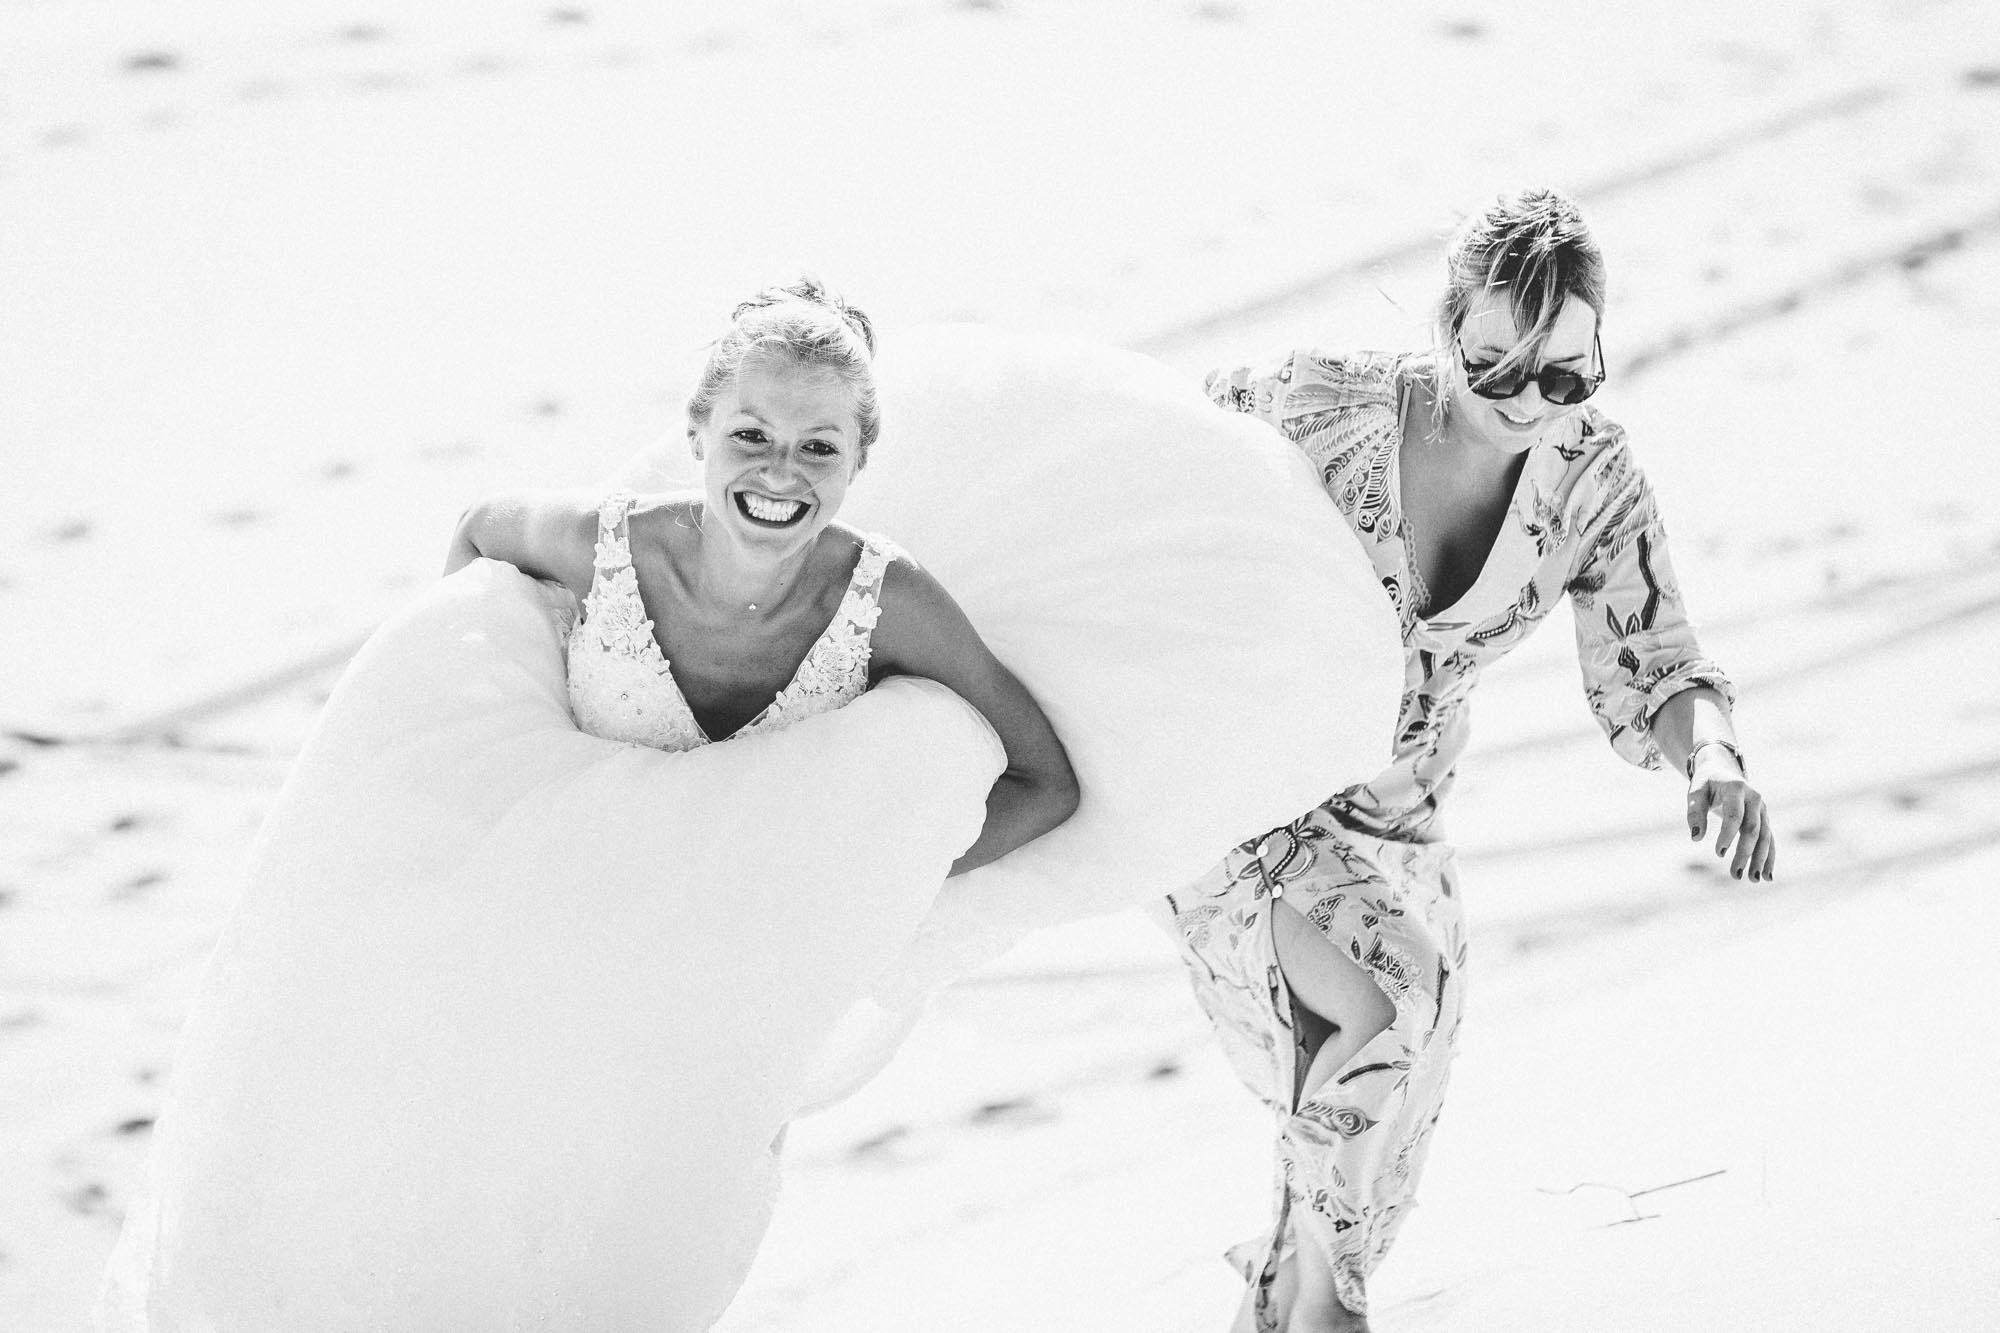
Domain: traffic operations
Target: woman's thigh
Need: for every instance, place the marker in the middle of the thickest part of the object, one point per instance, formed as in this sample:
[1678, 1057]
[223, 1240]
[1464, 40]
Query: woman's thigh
[1331, 987]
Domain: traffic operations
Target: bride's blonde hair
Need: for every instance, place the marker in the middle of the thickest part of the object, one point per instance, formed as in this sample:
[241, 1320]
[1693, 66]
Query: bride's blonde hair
[809, 324]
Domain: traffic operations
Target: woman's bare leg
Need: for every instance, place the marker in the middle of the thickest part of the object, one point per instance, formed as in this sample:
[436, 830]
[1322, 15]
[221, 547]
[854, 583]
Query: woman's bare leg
[1344, 1011]
[1333, 987]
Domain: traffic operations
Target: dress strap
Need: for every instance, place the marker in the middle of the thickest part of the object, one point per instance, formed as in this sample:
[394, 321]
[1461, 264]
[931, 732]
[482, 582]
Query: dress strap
[613, 607]
[614, 533]
[864, 590]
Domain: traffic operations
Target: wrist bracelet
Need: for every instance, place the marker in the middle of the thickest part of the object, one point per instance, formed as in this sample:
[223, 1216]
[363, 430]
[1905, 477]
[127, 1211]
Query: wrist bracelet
[1734, 753]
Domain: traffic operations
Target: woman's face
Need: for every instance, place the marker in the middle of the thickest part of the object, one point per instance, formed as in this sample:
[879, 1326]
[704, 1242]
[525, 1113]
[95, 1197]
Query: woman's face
[1489, 333]
[779, 447]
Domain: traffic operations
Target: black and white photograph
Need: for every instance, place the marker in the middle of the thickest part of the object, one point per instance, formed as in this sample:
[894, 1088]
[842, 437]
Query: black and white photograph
[847, 666]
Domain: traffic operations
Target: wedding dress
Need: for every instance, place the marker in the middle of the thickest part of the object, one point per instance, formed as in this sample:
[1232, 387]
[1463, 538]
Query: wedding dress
[508, 1016]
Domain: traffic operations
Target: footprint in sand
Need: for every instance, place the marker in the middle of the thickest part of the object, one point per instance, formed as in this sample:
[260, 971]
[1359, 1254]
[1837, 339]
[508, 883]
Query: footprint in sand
[151, 62]
[339, 469]
[1463, 30]
[486, 64]
[561, 17]
[125, 823]
[1012, 1111]
[8, 766]
[1986, 78]
[72, 530]
[362, 33]
[1217, 11]
[875, 1145]
[138, 1124]
[1164, 1069]
[1882, 200]
[88, 1199]
[236, 518]
[138, 885]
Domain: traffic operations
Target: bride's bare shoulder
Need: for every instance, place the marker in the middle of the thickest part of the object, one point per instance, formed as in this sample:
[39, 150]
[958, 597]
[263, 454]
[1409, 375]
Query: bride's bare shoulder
[548, 534]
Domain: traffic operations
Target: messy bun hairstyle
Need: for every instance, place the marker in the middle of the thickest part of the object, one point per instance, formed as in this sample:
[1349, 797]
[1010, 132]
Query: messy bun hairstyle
[1533, 248]
[812, 326]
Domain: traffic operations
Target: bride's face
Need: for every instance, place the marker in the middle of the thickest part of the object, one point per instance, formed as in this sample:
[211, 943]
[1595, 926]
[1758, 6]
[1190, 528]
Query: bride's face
[777, 453]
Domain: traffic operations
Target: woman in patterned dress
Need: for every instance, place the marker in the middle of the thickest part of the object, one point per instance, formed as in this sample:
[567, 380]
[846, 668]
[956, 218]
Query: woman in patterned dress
[1329, 953]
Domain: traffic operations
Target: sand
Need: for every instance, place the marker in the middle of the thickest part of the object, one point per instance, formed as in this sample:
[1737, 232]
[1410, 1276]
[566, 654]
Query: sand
[285, 290]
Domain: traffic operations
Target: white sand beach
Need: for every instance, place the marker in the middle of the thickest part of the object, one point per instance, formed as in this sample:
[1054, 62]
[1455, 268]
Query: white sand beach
[283, 288]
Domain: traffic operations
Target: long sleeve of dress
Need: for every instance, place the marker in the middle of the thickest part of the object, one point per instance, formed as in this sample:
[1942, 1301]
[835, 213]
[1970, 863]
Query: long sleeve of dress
[1633, 639]
[1256, 388]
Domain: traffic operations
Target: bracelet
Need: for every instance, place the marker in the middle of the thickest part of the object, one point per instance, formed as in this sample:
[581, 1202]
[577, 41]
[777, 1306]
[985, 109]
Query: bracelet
[1734, 753]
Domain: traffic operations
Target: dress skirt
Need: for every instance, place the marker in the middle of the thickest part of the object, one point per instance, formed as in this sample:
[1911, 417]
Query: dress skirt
[1349, 1155]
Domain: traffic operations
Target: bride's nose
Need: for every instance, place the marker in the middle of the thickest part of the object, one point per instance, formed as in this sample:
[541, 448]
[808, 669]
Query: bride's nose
[781, 468]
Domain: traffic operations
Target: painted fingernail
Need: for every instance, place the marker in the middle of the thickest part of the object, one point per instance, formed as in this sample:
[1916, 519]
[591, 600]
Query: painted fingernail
[1736, 874]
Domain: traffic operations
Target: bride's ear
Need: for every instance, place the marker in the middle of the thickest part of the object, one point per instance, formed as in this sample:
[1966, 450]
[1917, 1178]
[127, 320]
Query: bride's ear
[694, 444]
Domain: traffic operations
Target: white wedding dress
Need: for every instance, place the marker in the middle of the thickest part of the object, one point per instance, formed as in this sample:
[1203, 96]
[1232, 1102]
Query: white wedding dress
[503, 1027]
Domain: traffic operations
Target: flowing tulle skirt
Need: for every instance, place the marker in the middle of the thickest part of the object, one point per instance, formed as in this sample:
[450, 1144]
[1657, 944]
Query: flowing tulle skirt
[502, 1031]
[506, 1022]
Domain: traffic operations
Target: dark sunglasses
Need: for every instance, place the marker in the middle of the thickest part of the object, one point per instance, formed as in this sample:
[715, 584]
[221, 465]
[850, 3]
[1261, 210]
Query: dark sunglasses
[1561, 387]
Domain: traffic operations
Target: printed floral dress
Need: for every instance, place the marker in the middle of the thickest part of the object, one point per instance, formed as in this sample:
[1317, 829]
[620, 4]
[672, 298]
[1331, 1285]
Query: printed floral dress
[1368, 867]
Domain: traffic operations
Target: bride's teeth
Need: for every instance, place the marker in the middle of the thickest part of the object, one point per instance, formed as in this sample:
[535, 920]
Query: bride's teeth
[772, 511]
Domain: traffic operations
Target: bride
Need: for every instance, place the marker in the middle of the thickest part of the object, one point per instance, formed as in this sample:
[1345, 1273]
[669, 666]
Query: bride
[501, 1035]
[529, 972]
[768, 610]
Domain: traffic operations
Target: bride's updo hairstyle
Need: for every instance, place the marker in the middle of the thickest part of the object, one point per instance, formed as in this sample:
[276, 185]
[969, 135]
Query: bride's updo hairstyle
[812, 326]
[1534, 247]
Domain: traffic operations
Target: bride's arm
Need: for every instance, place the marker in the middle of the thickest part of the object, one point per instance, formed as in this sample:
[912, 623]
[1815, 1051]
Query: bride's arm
[922, 632]
[545, 534]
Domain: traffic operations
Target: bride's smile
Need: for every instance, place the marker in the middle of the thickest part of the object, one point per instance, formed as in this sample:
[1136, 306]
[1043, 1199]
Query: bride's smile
[777, 455]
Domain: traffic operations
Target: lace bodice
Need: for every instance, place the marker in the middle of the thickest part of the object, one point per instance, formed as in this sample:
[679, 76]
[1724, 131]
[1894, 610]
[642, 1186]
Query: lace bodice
[620, 687]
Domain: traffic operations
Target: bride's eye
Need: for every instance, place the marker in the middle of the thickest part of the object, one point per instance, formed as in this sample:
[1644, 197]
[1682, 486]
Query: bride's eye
[749, 435]
[823, 448]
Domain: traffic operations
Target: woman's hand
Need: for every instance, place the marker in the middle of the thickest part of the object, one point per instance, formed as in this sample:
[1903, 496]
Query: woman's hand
[1694, 733]
[1718, 789]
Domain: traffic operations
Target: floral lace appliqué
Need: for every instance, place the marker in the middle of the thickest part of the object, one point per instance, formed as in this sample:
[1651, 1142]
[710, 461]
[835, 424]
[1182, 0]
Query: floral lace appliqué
[620, 686]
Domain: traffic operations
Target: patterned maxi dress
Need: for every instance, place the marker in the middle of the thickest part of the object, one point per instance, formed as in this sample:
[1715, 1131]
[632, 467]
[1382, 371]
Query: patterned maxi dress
[1368, 866]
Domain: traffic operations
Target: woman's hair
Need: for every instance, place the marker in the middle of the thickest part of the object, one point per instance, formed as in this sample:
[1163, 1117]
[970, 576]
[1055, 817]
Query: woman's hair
[812, 326]
[1534, 247]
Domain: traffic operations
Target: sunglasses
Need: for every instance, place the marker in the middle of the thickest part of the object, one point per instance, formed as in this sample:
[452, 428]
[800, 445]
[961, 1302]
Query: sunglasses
[1561, 387]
